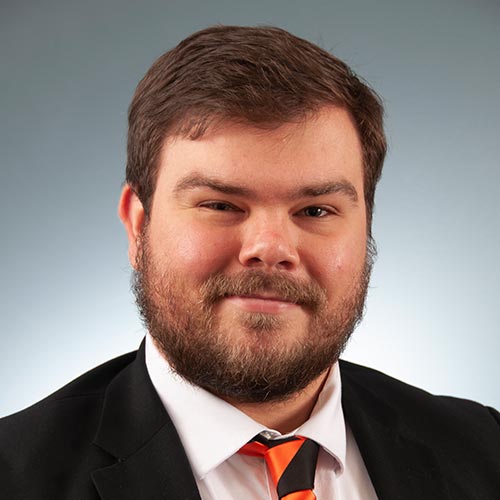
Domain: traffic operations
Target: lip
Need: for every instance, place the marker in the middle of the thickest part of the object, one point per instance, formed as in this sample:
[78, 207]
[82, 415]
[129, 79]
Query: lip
[261, 303]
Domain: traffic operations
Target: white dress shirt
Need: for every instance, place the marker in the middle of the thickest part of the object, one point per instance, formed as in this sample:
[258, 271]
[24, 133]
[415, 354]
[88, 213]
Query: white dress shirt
[212, 431]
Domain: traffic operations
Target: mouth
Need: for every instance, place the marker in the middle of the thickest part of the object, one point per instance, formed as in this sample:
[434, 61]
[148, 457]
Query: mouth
[267, 303]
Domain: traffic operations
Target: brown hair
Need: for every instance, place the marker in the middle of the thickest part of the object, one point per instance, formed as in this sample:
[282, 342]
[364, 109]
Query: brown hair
[263, 76]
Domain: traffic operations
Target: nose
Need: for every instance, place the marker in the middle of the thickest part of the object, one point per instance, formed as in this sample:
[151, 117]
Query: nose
[269, 242]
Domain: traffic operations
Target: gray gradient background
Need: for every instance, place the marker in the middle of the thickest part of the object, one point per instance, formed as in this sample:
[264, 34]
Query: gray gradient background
[68, 70]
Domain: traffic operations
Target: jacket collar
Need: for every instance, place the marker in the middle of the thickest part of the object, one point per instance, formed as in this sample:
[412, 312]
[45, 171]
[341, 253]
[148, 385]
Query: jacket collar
[399, 464]
[151, 462]
[136, 430]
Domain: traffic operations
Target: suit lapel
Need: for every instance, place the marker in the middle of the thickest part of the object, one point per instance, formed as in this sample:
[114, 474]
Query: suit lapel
[399, 465]
[136, 430]
[151, 463]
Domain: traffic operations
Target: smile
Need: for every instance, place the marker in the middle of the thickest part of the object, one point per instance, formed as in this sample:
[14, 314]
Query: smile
[261, 303]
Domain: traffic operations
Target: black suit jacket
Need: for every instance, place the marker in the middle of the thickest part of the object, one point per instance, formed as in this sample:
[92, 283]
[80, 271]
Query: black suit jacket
[106, 436]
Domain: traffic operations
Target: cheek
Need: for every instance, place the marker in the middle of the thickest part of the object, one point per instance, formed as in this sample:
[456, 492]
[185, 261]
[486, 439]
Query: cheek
[341, 264]
[350, 258]
[196, 252]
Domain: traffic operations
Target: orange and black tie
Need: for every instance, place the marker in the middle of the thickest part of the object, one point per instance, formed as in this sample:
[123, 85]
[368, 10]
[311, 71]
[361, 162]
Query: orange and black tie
[291, 463]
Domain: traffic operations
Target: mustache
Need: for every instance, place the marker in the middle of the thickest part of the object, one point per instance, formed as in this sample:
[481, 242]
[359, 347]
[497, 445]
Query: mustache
[305, 293]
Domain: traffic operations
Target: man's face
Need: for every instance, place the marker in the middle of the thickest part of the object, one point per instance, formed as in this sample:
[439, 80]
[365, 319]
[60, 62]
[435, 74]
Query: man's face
[253, 266]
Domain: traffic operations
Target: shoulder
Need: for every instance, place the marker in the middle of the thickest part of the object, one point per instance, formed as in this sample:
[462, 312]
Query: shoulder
[56, 434]
[418, 410]
[435, 443]
[84, 392]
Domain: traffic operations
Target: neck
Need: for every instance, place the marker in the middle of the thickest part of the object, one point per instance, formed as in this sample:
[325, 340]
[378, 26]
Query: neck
[285, 416]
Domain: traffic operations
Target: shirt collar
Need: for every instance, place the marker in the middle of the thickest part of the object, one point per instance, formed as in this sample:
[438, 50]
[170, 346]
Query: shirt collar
[212, 430]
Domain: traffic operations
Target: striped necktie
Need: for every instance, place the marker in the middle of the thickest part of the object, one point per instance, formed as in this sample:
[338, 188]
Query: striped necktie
[291, 463]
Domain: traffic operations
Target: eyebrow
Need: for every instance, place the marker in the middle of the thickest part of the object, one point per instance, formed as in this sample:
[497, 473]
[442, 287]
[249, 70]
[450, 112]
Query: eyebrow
[342, 186]
[194, 181]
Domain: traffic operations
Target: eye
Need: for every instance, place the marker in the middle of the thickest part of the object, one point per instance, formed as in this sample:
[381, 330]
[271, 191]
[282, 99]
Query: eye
[219, 206]
[315, 212]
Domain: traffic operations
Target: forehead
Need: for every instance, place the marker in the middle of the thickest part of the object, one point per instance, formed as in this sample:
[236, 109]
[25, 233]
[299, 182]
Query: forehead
[323, 148]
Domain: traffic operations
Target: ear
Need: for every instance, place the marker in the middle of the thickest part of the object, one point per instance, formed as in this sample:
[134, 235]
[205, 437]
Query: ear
[131, 213]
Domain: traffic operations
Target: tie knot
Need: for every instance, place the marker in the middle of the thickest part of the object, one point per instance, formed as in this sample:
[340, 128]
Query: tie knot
[291, 463]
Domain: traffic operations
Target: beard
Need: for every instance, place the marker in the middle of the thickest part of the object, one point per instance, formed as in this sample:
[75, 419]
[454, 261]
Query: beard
[253, 361]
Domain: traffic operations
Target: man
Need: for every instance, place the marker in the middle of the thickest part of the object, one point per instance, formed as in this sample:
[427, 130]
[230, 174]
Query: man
[253, 157]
